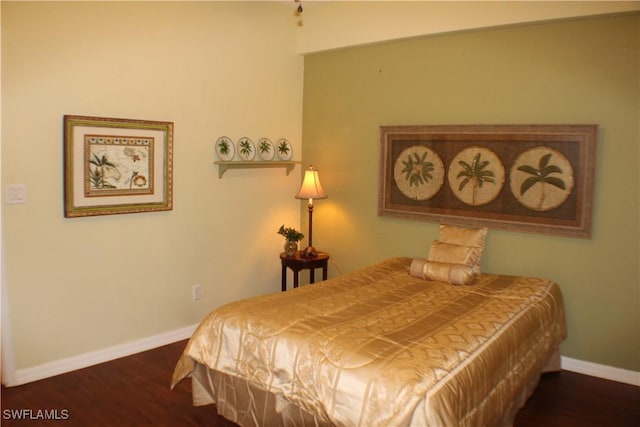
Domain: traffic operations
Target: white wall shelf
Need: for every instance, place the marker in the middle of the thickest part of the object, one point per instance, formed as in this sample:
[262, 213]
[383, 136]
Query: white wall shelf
[223, 166]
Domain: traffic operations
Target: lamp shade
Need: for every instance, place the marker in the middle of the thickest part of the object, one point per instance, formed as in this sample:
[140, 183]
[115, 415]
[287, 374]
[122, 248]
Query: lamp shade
[311, 187]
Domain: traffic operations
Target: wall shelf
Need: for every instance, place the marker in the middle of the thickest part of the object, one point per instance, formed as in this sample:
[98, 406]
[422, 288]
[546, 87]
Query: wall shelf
[223, 166]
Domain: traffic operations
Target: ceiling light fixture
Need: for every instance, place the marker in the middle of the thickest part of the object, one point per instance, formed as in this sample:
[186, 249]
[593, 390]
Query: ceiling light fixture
[298, 12]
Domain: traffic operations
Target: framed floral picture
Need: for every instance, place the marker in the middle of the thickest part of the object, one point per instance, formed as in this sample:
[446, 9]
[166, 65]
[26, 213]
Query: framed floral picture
[117, 166]
[532, 178]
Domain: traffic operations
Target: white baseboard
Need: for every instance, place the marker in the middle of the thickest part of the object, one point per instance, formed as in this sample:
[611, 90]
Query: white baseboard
[46, 370]
[57, 367]
[601, 371]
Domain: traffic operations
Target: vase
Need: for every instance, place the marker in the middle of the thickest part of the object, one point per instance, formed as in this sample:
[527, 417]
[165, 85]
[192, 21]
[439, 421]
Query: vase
[290, 248]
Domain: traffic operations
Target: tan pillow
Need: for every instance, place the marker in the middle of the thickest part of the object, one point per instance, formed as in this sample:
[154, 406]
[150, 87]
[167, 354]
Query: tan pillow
[454, 254]
[456, 274]
[464, 236]
[417, 266]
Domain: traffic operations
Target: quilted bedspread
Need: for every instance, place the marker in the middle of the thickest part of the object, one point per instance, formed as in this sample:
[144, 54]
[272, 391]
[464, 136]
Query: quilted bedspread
[379, 347]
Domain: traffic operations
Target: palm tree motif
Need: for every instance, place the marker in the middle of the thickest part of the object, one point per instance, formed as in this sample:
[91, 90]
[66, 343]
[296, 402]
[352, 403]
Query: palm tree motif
[265, 147]
[224, 147]
[541, 176]
[245, 148]
[476, 174]
[283, 147]
[97, 174]
[417, 170]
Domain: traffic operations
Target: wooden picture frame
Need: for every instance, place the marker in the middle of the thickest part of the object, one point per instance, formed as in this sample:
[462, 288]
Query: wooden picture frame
[117, 166]
[531, 178]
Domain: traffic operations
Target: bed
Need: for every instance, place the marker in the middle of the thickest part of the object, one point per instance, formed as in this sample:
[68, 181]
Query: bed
[381, 346]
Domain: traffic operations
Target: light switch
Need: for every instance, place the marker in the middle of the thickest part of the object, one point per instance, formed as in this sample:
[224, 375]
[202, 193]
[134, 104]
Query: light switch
[16, 194]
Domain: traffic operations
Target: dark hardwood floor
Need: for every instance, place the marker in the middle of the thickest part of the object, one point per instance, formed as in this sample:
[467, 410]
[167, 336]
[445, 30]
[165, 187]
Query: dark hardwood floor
[134, 391]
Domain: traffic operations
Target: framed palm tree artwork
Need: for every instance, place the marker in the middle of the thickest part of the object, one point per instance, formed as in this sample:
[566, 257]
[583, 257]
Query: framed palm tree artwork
[117, 166]
[532, 178]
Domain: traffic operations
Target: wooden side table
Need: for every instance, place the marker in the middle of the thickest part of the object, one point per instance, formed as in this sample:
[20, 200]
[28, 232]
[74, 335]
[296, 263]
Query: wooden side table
[298, 262]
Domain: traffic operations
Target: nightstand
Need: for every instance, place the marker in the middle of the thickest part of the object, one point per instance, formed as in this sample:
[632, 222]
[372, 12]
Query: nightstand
[298, 262]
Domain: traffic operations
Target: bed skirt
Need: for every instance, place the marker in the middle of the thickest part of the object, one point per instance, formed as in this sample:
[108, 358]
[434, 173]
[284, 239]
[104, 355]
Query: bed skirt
[249, 405]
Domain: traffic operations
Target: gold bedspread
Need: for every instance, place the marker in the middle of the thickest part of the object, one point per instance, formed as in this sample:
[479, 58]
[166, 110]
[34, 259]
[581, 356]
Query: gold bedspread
[379, 347]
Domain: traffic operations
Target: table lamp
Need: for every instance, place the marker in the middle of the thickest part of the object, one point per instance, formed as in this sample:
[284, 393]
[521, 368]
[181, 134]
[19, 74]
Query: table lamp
[311, 189]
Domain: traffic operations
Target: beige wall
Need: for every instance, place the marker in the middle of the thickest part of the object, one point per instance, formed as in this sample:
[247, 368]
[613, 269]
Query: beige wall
[78, 285]
[582, 71]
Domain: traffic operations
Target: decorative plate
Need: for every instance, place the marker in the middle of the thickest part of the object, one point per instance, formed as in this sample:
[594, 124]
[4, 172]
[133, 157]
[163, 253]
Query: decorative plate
[246, 149]
[476, 176]
[266, 150]
[225, 148]
[541, 179]
[284, 149]
[419, 172]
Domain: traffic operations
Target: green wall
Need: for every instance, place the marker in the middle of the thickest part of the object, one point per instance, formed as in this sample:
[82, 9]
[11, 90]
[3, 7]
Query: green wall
[571, 72]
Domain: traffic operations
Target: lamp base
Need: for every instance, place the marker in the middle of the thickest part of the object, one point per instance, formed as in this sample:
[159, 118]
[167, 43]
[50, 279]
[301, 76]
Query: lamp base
[309, 252]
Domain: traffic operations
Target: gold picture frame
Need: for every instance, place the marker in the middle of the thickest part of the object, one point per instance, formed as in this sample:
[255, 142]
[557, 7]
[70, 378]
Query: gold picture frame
[531, 178]
[117, 166]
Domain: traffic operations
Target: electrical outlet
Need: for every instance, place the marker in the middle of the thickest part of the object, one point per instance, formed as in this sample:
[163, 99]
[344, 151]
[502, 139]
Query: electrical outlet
[196, 292]
[16, 194]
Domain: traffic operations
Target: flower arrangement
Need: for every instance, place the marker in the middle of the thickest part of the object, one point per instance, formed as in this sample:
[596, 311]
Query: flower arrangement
[291, 234]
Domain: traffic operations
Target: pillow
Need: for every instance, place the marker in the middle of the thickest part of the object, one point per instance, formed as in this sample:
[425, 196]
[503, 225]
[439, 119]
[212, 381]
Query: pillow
[416, 268]
[454, 254]
[456, 274]
[465, 236]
